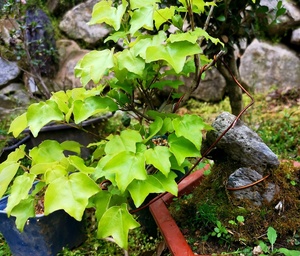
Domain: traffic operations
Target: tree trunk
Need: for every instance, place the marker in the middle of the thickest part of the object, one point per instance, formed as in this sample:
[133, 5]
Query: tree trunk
[233, 91]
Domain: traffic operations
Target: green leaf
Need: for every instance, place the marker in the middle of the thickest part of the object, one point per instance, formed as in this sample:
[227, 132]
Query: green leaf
[142, 43]
[174, 53]
[163, 15]
[154, 128]
[171, 83]
[62, 100]
[190, 127]
[102, 202]
[221, 18]
[116, 36]
[142, 18]
[117, 222]
[16, 155]
[201, 32]
[126, 141]
[94, 65]
[70, 194]
[189, 36]
[51, 172]
[287, 252]
[104, 12]
[72, 146]
[272, 235]
[48, 151]
[40, 114]
[119, 96]
[8, 171]
[168, 183]
[140, 189]
[19, 190]
[135, 4]
[79, 164]
[126, 166]
[43, 168]
[24, 210]
[91, 106]
[159, 158]
[182, 148]
[18, 125]
[127, 60]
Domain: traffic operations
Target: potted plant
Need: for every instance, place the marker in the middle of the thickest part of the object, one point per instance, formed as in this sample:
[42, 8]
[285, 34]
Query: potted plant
[144, 158]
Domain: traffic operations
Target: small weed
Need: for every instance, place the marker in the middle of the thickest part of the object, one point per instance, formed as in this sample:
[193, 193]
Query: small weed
[270, 250]
[206, 215]
[240, 221]
[221, 232]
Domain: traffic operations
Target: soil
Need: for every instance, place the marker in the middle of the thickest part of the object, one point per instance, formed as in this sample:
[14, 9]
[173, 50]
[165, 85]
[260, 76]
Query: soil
[196, 214]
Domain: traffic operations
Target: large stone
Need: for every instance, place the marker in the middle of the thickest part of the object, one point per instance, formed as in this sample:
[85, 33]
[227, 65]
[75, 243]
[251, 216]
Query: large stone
[8, 71]
[74, 23]
[212, 87]
[264, 66]
[240, 145]
[257, 194]
[69, 54]
[296, 37]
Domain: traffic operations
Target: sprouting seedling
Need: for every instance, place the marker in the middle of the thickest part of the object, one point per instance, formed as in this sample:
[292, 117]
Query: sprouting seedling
[272, 236]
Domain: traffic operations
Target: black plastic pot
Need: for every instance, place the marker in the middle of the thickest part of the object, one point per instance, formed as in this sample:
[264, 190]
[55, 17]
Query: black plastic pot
[84, 133]
[42, 235]
[7, 150]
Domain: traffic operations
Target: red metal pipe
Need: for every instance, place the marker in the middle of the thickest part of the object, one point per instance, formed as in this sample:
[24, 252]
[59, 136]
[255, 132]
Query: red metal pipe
[173, 237]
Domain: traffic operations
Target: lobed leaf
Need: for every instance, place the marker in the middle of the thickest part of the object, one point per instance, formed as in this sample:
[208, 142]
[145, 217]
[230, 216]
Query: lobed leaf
[163, 15]
[190, 127]
[182, 148]
[18, 125]
[94, 65]
[126, 141]
[173, 53]
[91, 106]
[142, 18]
[40, 114]
[127, 60]
[140, 189]
[104, 12]
[159, 158]
[127, 166]
[70, 194]
[117, 222]
[23, 211]
[19, 190]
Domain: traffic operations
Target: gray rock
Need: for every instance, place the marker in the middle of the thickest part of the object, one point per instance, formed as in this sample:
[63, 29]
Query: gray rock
[74, 23]
[8, 71]
[16, 93]
[257, 193]
[69, 54]
[240, 145]
[296, 37]
[212, 87]
[264, 65]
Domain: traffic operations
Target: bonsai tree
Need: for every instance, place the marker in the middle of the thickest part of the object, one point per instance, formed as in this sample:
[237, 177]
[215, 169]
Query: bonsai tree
[142, 159]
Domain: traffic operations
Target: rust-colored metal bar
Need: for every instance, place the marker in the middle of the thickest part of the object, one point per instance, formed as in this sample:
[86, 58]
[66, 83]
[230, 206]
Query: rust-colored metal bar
[172, 235]
[169, 230]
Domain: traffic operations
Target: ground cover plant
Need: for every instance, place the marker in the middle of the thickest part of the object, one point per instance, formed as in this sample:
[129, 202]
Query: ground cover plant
[222, 227]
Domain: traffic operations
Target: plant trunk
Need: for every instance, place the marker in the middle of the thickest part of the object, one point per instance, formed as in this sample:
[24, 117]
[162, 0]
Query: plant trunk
[233, 91]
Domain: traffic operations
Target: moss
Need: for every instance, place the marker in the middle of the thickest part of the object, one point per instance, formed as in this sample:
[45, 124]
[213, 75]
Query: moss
[213, 194]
